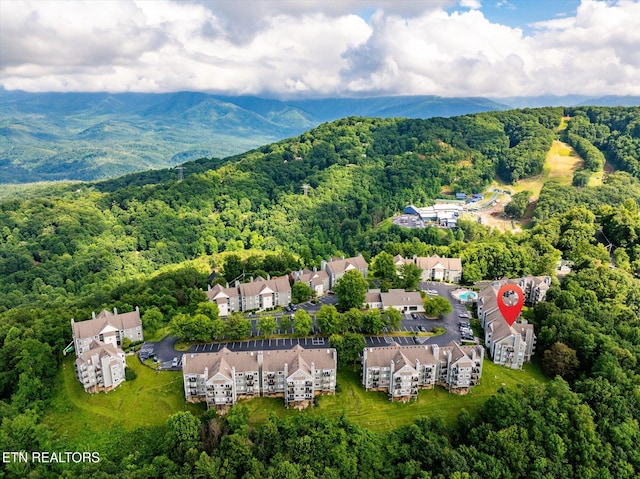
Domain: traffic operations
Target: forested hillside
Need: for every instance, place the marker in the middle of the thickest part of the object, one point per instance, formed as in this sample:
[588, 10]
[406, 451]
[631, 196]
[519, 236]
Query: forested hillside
[88, 136]
[151, 241]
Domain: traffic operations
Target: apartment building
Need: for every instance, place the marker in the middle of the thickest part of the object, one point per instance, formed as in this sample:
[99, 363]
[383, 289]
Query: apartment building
[337, 267]
[318, 281]
[100, 367]
[107, 327]
[434, 268]
[401, 371]
[297, 375]
[510, 346]
[100, 362]
[257, 295]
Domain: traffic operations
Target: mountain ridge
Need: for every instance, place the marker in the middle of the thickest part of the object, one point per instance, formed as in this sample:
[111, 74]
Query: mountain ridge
[145, 131]
[91, 136]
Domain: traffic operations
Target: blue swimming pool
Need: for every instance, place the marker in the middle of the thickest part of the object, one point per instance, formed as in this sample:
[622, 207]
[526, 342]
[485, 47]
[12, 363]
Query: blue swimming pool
[468, 296]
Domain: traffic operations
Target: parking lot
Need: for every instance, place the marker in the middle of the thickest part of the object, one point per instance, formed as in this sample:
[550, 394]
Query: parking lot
[260, 345]
[456, 324]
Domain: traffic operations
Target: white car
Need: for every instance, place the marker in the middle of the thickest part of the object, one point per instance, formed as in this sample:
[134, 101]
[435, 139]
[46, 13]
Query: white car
[432, 291]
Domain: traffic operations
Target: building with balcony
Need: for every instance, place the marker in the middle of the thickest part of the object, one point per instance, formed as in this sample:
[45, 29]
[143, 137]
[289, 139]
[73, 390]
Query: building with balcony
[510, 346]
[401, 371]
[257, 295]
[297, 375]
[107, 327]
[337, 267]
[100, 362]
[100, 367]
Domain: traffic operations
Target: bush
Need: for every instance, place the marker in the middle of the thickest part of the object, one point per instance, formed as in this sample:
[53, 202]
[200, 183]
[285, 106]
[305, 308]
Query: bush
[129, 374]
[581, 178]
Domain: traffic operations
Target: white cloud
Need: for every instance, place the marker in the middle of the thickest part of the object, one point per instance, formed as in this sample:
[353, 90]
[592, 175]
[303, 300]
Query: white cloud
[472, 4]
[315, 47]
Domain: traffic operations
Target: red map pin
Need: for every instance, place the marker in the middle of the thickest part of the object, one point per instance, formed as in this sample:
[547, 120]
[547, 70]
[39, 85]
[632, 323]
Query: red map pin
[510, 300]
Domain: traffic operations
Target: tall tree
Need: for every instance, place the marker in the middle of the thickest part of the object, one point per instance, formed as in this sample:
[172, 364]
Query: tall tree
[393, 318]
[301, 292]
[183, 434]
[409, 276]
[238, 327]
[233, 267]
[328, 319]
[267, 324]
[373, 322]
[351, 290]
[560, 360]
[302, 323]
[383, 267]
[436, 306]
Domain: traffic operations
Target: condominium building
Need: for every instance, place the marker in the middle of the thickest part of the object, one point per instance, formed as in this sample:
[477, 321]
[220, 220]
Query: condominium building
[107, 327]
[257, 295]
[100, 362]
[297, 375]
[510, 346]
[337, 267]
[401, 371]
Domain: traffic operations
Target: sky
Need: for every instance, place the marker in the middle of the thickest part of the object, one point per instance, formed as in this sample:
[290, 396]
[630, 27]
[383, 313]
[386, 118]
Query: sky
[323, 48]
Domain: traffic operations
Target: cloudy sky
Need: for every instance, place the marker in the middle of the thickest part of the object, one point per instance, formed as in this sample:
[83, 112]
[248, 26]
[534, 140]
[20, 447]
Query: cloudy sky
[314, 48]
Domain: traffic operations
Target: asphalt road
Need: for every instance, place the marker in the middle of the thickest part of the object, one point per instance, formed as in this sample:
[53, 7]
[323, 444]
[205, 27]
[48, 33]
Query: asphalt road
[165, 352]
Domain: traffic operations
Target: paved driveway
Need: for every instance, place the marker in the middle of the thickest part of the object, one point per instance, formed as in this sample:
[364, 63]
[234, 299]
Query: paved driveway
[165, 352]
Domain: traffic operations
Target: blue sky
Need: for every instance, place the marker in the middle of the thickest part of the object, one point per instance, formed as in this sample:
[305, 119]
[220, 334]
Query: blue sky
[315, 48]
[522, 13]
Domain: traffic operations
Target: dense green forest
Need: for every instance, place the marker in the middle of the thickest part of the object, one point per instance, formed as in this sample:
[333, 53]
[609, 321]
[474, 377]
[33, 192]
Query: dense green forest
[151, 241]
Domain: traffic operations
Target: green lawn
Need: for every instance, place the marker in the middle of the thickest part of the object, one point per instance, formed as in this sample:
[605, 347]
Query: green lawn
[374, 411]
[153, 396]
[147, 400]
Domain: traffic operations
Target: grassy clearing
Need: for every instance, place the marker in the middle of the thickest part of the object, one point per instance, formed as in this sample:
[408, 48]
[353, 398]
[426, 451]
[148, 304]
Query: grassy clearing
[146, 401]
[561, 162]
[152, 397]
[374, 411]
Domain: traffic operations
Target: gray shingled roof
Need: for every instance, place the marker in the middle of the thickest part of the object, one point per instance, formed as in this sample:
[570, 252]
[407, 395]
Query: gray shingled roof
[243, 361]
[339, 266]
[429, 262]
[92, 327]
[321, 358]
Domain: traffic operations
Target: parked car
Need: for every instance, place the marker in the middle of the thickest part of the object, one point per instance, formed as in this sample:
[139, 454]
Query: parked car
[432, 291]
[174, 363]
[464, 315]
[422, 328]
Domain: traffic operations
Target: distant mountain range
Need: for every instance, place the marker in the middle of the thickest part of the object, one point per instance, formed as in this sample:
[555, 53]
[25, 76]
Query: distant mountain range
[87, 136]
